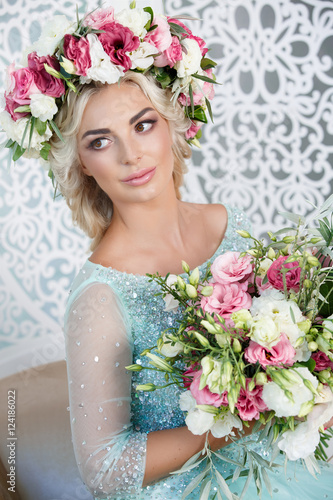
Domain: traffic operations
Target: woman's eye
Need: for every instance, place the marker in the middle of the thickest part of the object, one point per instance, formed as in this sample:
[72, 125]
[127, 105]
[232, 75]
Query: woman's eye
[99, 143]
[144, 126]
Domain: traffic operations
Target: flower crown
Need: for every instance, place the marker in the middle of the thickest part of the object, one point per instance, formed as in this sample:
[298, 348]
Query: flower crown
[101, 47]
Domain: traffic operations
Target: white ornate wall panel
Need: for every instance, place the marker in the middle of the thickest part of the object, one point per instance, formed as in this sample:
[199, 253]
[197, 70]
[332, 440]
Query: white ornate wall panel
[270, 147]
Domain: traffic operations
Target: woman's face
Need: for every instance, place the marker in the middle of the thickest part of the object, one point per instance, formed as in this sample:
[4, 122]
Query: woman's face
[126, 145]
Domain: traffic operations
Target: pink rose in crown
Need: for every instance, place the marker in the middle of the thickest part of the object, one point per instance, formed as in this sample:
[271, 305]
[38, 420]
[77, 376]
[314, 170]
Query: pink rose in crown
[275, 276]
[171, 55]
[24, 86]
[100, 19]
[205, 396]
[230, 268]
[200, 41]
[323, 362]
[78, 51]
[11, 105]
[250, 403]
[117, 43]
[46, 83]
[160, 37]
[193, 130]
[199, 97]
[227, 299]
[281, 353]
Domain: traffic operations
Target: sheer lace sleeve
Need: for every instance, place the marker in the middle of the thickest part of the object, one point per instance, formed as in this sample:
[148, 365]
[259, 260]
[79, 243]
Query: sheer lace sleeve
[110, 455]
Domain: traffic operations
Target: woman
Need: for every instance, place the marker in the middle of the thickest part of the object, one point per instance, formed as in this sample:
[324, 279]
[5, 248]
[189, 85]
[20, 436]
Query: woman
[119, 161]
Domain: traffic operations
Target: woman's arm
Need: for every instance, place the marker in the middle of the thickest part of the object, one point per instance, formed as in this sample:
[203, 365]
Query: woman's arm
[168, 450]
[111, 456]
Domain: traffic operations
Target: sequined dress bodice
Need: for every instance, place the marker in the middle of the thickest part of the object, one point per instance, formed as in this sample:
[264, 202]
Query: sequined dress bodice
[110, 426]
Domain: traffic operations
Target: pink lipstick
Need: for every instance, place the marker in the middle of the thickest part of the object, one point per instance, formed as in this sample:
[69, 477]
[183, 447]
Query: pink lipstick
[141, 177]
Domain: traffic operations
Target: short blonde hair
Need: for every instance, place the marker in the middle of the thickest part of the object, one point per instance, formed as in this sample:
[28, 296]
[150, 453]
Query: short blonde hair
[90, 205]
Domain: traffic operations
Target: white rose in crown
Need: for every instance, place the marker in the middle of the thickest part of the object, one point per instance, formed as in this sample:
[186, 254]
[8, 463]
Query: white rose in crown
[53, 32]
[15, 131]
[134, 19]
[43, 106]
[102, 69]
[142, 58]
[191, 60]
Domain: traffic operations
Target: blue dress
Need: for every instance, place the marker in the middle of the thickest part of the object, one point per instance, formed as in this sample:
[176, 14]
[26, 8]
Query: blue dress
[110, 319]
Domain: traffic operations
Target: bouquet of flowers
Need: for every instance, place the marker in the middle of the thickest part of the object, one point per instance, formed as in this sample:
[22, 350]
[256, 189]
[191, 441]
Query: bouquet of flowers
[255, 344]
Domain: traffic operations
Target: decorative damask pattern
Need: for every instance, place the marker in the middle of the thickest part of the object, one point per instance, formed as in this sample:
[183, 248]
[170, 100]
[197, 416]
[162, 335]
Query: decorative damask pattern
[269, 149]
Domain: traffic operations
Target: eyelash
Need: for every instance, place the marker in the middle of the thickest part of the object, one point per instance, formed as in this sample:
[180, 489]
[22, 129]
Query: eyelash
[146, 122]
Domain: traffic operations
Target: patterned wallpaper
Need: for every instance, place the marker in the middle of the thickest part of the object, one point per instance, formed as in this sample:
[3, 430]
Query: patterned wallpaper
[269, 149]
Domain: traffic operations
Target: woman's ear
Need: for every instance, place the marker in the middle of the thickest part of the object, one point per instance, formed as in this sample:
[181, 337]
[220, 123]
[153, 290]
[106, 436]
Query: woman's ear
[85, 170]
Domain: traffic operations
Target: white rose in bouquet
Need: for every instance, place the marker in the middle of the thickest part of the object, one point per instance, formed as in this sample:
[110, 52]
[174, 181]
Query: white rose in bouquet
[275, 398]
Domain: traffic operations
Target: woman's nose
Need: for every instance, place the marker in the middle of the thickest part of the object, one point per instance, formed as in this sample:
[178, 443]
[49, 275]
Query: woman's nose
[130, 152]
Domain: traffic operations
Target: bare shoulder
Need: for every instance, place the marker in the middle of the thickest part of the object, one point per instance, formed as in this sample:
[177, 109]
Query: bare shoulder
[214, 216]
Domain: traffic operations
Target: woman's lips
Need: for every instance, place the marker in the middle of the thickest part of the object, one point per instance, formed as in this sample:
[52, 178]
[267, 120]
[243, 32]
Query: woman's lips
[141, 177]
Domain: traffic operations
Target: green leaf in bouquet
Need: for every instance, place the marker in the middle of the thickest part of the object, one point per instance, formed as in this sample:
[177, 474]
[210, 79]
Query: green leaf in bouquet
[296, 218]
[259, 459]
[227, 459]
[310, 364]
[266, 480]
[325, 231]
[249, 477]
[205, 489]
[191, 463]
[223, 485]
[325, 305]
[195, 483]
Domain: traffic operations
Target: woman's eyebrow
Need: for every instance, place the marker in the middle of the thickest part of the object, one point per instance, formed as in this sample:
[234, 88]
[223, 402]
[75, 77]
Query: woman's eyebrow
[141, 113]
[96, 132]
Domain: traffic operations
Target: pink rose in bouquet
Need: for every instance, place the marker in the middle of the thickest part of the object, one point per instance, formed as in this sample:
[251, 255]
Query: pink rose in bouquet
[250, 403]
[46, 83]
[227, 299]
[160, 37]
[100, 19]
[205, 396]
[275, 276]
[281, 353]
[323, 362]
[231, 268]
[78, 51]
[117, 43]
[171, 55]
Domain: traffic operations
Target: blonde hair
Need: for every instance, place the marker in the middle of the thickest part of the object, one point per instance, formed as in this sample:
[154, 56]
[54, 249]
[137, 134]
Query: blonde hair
[90, 205]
